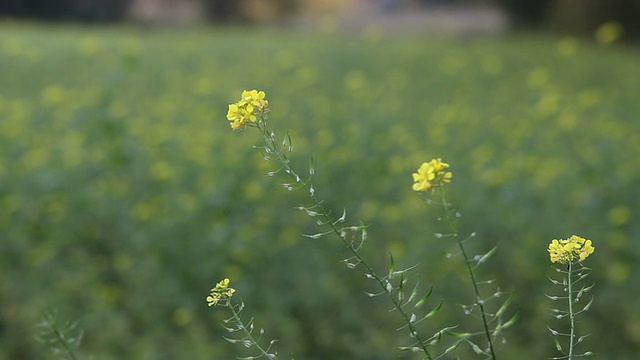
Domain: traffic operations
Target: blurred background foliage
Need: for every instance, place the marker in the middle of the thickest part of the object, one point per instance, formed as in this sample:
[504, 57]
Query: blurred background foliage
[125, 196]
[572, 16]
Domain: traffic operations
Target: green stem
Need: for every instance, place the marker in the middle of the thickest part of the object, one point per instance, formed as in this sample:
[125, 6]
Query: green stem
[571, 315]
[479, 301]
[247, 333]
[379, 280]
[325, 214]
[63, 341]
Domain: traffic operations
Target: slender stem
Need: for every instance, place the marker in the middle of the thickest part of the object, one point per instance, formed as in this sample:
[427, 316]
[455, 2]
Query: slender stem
[236, 318]
[325, 214]
[64, 343]
[571, 315]
[379, 280]
[479, 301]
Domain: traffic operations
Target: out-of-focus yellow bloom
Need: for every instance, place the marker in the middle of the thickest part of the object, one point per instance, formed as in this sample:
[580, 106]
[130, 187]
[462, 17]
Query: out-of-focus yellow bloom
[221, 293]
[249, 109]
[609, 32]
[431, 174]
[567, 250]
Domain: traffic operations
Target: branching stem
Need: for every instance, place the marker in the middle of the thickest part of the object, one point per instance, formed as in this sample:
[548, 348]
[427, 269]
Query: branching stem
[479, 301]
[61, 339]
[268, 139]
[247, 332]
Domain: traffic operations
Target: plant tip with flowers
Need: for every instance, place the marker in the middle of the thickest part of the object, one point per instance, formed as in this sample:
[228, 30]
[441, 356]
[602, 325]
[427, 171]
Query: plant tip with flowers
[221, 293]
[567, 250]
[251, 107]
[431, 174]
[570, 252]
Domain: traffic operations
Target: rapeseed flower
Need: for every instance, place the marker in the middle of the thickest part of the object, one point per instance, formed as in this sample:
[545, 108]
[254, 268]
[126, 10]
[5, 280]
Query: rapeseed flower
[222, 292]
[431, 174]
[567, 250]
[251, 107]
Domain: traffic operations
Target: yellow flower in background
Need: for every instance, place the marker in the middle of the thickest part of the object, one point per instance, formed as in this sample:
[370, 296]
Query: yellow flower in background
[609, 32]
[251, 106]
[567, 250]
[431, 174]
[222, 292]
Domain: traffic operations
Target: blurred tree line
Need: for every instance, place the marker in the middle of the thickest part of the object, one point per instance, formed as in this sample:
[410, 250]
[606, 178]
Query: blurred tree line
[573, 16]
[119, 10]
[86, 10]
[576, 16]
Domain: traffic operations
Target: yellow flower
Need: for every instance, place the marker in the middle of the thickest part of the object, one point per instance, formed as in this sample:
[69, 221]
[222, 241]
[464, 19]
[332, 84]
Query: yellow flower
[586, 250]
[438, 165]
[248, 109]
[233, 112]
[255, 98]
[567, 250]
[422, 179]
[431, 174]
[222, 292]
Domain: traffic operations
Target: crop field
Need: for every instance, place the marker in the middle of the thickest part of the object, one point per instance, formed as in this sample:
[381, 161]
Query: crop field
[125, 195]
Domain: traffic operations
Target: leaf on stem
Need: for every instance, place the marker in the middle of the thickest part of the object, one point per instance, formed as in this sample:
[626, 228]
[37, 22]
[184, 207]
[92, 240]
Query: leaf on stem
[424, 298]
[480, 259]
[414, 292]
[401, 289]
[586, 307]
[476, 348]
[400, 272]
[432, 312]
[452, 348]
[391, 266]
[504, 307]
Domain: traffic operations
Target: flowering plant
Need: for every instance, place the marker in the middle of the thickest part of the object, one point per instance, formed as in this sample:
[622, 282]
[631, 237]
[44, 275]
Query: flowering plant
[252, 111]
[571, 253]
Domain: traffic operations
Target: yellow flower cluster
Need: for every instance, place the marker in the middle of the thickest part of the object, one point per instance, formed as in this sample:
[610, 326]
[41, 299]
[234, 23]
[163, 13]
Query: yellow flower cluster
[251, 106]
[222, 292]
[431, 174]
[567, 250]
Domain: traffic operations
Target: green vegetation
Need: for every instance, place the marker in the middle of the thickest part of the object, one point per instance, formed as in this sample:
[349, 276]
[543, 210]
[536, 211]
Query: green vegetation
[125, 195]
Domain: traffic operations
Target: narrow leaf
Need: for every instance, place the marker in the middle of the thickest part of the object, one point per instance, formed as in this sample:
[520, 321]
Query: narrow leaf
[432, 312]
[504, 306]
[392, 266]
[414, 292]
[459, 335]
[405, 270]
[290, 143]
[486, 256]
[511, 321]
[401, 290]
[586, 307]
[451, 348]
[424, 298]
[476, 348]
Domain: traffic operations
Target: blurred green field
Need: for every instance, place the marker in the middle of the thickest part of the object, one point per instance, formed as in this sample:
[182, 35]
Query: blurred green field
[124, 194]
